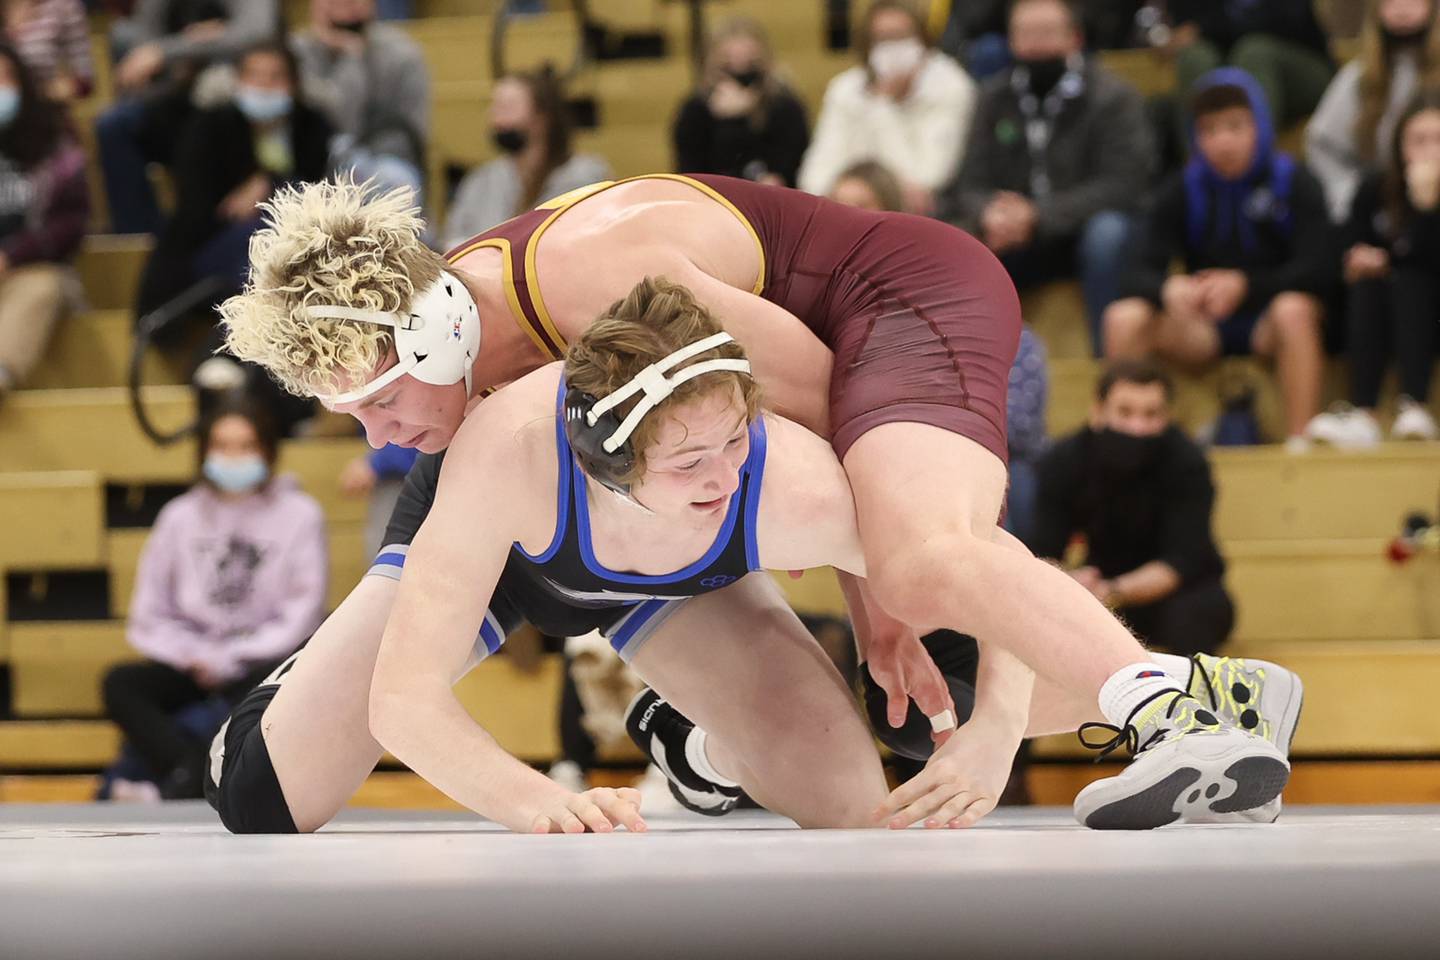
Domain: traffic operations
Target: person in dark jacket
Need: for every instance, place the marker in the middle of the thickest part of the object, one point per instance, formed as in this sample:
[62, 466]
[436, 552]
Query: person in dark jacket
[43, 208]
[232, 158]
[1252, 228]
[1140, 494]
[743, 121]
[1060, 154]
[1392, 270]
[1279, 42]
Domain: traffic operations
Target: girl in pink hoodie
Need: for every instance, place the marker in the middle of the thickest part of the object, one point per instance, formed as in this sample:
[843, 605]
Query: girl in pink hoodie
[232, 581]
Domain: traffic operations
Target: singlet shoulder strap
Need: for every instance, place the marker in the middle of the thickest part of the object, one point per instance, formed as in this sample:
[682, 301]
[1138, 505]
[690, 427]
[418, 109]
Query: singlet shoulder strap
[754, 484]
[564, 488]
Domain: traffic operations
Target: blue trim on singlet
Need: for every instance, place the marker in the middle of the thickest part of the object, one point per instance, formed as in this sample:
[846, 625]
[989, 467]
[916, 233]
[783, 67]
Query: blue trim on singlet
[564, 457]
[636, 620]
[722, 539]
[490, 633]
[752, 493]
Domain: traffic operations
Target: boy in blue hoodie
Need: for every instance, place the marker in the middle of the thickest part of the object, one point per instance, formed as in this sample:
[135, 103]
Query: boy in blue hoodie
[1250, 226]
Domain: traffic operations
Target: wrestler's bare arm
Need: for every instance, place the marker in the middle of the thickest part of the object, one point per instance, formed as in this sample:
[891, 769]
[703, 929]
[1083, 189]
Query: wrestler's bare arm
[450, 573]
[807, 513]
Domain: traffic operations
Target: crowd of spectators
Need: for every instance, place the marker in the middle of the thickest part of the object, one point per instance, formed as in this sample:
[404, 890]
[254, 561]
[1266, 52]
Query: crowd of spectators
[1193, 235]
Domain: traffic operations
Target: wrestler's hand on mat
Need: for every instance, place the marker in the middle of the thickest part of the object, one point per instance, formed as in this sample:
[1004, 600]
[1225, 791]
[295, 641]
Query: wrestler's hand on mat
[599, 810]
[904, 669]
[961, 783]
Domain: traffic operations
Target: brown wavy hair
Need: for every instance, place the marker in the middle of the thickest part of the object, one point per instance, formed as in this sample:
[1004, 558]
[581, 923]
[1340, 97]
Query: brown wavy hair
[1395, 192]
[548, 99]
[655, 319]
[1376, 71]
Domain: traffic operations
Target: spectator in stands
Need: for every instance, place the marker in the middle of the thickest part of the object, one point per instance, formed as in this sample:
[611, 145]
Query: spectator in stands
[1251, 226]
[161, 50]
[1354, 125]
[1025, 429]
[372, 82]
[906, 104]
[231, 581]
[53, 38]
[974, 34]
[1392, 267]
[230, 159]
[1060, 155]
[1140, 494]
[44, 205]
[743, 121]
[530, 126]
[869, 186]
[1278, 42]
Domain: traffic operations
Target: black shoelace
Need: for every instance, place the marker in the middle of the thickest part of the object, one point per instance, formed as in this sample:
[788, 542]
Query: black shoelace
[1128, 735]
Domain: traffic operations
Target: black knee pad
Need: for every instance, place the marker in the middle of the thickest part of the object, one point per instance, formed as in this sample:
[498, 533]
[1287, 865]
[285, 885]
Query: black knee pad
[956, 655]
[240, 780]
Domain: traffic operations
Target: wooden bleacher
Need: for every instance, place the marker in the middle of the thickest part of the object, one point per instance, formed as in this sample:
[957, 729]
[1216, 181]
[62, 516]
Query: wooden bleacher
[1303, 535]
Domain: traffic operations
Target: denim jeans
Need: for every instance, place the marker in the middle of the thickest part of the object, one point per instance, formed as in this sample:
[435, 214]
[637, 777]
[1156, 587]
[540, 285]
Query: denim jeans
[133, 208]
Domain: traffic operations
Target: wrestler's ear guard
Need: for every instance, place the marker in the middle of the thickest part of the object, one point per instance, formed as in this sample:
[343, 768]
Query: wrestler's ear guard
[601, 438]
[587, 433]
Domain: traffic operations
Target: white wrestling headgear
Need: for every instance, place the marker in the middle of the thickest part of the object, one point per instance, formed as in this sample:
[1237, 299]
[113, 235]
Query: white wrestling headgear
[657, 386]
[437, 341]
[601, 440]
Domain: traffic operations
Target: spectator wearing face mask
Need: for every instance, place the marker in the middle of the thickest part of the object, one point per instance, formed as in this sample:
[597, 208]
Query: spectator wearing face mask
[530, 127]
[43, 209]
[906, 105]
[1139, 493]
[372, 83]
[230, 159]
[1392, 270]
[232, 580]
[160, 50]
[743, 121]
[1353, 127]
[1058, 161]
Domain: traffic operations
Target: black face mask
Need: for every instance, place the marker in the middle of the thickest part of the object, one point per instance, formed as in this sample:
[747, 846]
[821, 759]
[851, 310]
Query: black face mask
[1120, 454]
[354, 26]
[1410, 38]
[510, 140]
[748, 78]
[1045, 72]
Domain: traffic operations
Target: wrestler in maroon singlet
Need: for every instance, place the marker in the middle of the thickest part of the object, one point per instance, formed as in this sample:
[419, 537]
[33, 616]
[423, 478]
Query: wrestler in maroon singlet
[921, 317]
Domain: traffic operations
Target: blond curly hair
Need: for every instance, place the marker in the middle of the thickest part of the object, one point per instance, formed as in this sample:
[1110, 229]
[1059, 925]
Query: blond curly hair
[331, 243]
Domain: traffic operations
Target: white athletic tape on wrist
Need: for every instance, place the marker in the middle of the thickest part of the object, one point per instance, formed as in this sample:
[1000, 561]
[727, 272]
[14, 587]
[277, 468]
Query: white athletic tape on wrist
[942, 721]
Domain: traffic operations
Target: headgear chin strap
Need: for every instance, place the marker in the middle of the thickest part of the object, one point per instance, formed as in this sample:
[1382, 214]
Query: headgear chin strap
[602, 440]
[436, 342]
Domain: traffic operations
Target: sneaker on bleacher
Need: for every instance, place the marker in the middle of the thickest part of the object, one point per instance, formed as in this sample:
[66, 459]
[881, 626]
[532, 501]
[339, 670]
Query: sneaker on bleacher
[1344, 427]
[1413, 422]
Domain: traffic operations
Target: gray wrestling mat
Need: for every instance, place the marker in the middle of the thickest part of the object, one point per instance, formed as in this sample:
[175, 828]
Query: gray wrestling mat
[117, 881]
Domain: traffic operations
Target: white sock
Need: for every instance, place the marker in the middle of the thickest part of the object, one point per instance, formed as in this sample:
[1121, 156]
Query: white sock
[1176, 668]
[1131, 686]
[699, 759]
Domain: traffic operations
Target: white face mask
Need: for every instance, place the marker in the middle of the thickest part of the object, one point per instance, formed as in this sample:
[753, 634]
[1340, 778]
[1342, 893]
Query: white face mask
[895, 58]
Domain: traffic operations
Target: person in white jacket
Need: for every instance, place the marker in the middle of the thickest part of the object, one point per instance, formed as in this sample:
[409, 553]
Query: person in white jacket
[906, 105]
[1354, 123]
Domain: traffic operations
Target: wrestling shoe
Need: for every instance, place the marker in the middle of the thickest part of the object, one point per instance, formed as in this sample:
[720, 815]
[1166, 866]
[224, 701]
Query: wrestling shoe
[1189, 766]
[663, 733]
[1254, 695]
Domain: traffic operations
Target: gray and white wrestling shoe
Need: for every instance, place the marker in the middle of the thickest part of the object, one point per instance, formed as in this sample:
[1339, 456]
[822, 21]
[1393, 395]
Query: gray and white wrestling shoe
[1190, 766]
